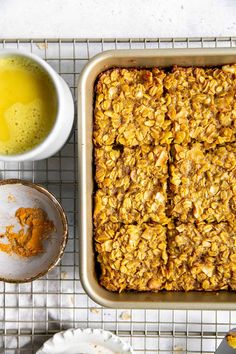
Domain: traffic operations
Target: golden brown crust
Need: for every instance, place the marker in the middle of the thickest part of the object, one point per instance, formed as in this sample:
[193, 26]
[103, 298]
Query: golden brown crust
[203, 183]
[199, 257]
[134, 206]
[132, 184]
[201, 104]
[123, 168]
[130, 108]
[165, 204]
[131, 257]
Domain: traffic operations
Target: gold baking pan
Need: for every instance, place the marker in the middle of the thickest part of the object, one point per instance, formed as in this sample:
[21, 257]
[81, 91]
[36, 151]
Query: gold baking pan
[133, 58]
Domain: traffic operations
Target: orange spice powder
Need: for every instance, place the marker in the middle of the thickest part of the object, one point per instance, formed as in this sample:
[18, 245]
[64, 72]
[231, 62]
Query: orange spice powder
[28, 241]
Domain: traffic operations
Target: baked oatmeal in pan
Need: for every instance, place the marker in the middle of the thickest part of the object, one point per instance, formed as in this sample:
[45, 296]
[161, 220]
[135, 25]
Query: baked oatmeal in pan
[165, 168]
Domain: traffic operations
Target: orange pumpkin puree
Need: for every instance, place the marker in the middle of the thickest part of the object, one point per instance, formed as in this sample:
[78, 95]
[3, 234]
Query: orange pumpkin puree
[28, 241]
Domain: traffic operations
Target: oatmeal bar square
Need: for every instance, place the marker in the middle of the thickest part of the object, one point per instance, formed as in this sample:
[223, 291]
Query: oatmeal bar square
[131, 257]
[199, 257]
[130, 108]
[125, 167]
[203, 183]
[136, 205]
[201, 104]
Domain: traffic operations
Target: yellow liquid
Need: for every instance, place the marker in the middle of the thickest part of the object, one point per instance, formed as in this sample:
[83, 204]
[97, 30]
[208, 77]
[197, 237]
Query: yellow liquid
[28, 105]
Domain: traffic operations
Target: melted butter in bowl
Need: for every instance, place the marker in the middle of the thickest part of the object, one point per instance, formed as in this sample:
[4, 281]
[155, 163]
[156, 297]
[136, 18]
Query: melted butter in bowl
[28, 105]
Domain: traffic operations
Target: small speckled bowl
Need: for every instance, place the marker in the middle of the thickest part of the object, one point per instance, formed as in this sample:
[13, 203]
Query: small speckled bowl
[15, 194]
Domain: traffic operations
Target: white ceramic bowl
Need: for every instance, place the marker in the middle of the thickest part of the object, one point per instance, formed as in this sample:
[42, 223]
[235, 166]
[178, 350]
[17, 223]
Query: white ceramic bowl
[64, 118]
[15, 194]
[86, 341]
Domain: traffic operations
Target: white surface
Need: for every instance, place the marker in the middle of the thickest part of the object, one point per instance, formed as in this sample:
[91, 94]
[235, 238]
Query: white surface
[117, 18]
[88, 341]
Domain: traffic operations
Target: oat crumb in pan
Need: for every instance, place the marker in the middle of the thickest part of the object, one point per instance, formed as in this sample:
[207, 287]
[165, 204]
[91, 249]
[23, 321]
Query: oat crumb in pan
[165, 168]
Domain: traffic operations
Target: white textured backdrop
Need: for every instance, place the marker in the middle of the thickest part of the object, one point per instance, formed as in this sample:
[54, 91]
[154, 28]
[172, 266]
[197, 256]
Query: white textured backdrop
[117, 18]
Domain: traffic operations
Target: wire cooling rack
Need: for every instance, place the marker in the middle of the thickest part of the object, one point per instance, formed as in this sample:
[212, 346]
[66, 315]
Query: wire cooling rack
[31, 313]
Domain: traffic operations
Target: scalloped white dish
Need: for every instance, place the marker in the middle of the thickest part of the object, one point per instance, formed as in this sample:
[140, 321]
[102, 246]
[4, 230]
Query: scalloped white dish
[85, 341]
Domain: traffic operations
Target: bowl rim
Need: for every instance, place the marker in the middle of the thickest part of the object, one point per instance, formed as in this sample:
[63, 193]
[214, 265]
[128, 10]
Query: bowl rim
[55, 80]
[64, 220]
[77, 333]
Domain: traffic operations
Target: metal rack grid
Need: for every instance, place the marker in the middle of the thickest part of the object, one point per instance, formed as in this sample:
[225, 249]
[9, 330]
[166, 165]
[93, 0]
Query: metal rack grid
[31, 313]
